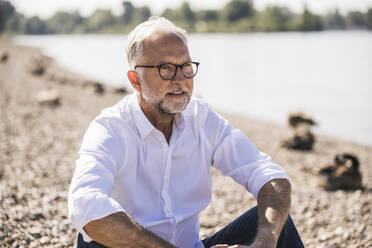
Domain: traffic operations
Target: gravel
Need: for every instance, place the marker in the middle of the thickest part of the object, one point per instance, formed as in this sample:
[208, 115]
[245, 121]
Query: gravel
[38, 145]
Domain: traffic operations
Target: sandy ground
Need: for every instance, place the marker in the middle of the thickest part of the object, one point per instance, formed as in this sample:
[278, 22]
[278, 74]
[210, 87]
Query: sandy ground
[38, 145]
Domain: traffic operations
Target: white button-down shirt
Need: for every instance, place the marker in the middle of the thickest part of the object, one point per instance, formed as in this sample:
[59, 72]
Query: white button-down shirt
[126, 164]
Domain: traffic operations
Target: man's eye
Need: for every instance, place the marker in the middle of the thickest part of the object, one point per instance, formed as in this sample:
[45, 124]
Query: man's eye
[187, 65]
[168, 67]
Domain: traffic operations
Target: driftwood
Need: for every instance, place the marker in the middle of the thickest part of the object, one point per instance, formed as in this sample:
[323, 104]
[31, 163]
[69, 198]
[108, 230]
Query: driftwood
[342, 174]
[297, 118]
[4, 56]
[94, 86]
[302, 139]
[39, 64]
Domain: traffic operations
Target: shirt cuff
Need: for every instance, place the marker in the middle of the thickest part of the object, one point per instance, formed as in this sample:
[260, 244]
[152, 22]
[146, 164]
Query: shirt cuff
[86, 237]
[86, 208]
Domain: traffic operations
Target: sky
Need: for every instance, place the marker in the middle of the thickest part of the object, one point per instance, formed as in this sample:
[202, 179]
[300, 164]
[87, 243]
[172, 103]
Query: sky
[46, 8]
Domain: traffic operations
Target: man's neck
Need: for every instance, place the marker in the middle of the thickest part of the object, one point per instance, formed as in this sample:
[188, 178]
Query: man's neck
[161, 121]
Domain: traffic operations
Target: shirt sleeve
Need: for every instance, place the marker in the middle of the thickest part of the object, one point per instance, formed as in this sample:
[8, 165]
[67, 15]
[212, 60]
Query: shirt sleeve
[89, 194]
[236, 156]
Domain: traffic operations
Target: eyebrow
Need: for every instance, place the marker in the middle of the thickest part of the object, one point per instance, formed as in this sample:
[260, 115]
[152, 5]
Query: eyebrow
[184, 58]
[167, 62]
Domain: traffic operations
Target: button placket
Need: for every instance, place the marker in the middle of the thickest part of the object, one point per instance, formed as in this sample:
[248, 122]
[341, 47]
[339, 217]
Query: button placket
[169, 206]
[165, 192]
[166, 179]
[174, 231]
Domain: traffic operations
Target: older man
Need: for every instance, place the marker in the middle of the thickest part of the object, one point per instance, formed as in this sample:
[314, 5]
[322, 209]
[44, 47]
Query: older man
[143, 174]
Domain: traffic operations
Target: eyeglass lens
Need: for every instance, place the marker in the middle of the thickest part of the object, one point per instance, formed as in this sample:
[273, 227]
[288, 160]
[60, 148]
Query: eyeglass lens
[168, 71]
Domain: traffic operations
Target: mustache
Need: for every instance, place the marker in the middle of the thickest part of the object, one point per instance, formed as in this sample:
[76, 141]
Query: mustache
[178, 88]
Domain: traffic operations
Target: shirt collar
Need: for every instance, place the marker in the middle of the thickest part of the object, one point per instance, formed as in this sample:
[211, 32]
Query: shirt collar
[143, 125]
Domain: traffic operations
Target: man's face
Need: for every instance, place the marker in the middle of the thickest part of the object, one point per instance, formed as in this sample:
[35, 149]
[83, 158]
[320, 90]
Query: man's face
[167, 96]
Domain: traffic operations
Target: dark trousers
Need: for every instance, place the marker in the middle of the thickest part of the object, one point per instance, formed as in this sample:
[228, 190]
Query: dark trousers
[241, 231]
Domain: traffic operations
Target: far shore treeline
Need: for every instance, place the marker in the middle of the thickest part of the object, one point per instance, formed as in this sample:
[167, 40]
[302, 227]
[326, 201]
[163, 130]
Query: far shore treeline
[235, 16]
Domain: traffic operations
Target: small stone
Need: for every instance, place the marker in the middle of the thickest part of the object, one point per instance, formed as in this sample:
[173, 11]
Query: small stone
[346, 235]
[65, 240]
[210, 222]
[34, 244]
[339, 230]
[9, 241]
[324, 236]
[121, 90]
[36, 216]
[35, 232]
[361, 228]
[44, 240]
[95, 87]
[49, 97]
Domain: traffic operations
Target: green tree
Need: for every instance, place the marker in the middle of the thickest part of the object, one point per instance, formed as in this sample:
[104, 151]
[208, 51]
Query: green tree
[7, 10]
[127, 16]
[237, 9]
[64, 22]
[99, 20]
[141, 14]
[185, 13]
[16, 24]
[369, 18]
[207, 15]
[334, 21]
[34, 25]
[356, 19]
[310, 21]
[170, 14]
[183, 16]
[274, 18]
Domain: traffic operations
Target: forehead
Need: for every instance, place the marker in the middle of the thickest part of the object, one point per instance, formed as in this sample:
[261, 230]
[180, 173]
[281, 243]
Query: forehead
[161, 47]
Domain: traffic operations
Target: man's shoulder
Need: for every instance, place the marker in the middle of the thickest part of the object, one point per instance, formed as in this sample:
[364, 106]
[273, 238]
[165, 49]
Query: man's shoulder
[199, 109]
[116, 114]
[196, 107]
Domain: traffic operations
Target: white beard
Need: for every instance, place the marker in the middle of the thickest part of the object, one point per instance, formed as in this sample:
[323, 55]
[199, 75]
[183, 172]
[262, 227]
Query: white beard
[167, 105]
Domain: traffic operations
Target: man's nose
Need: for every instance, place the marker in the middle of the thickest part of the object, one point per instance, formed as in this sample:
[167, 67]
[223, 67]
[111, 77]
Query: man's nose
[179, 75]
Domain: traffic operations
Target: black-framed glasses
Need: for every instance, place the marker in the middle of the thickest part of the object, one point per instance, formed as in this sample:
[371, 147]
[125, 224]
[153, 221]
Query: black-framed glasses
[168, 71]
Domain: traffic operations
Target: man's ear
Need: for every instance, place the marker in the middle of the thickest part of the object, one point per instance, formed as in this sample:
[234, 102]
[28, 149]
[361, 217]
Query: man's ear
[133, 79]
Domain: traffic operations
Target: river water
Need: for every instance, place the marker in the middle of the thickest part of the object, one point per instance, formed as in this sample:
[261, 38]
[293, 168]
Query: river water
[327, 75]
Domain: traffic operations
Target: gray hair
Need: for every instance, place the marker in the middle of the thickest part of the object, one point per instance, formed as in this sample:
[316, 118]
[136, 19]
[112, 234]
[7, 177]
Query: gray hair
[144, 30]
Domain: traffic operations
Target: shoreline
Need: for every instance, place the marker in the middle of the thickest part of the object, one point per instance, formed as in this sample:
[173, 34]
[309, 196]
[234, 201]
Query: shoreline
[39, 145]
[335, 116]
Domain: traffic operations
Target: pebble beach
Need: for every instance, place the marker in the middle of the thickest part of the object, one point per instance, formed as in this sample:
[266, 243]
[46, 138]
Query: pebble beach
[40, 137]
